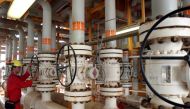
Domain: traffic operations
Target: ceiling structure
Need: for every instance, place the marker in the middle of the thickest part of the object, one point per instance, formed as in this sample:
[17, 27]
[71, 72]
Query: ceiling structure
[61, 10]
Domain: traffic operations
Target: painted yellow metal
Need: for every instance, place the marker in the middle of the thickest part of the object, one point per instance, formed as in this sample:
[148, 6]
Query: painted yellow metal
[129, 18]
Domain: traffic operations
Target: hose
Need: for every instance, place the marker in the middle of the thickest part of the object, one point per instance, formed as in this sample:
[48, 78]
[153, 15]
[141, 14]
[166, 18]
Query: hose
[141, 57]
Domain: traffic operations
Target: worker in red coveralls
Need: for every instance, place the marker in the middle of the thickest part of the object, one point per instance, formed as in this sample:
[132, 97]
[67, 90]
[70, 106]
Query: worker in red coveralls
[15, 83]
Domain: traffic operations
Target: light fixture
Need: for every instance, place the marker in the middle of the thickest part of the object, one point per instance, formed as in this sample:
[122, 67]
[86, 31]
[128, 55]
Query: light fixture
[128, 29]
[19, 7]
[17, 36]
[35, 38]
[61, 41]
[3, 46]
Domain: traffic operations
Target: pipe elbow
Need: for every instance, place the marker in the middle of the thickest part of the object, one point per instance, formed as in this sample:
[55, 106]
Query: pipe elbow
[20, 30]
[45, 5]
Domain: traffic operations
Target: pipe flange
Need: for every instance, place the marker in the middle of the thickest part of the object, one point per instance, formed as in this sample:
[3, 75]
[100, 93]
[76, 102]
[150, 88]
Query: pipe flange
[111, 94]
[79, 50]
[103, 89]
[47, 57]
[45, 87]
[111, 84]
[111, 53]
[34, 83]
[78, 94]
[78, 99]
[167, 28]
[56, 81]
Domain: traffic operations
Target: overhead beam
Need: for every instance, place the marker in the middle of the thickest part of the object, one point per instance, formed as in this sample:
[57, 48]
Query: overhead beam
[7, 31]
[24, 24]
[98, 7]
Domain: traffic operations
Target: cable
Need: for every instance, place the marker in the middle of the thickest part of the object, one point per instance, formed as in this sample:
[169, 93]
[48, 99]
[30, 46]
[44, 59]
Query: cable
[141, 57]
[57, 65]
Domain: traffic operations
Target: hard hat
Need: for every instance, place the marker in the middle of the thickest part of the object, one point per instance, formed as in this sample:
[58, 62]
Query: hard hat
[16, 63]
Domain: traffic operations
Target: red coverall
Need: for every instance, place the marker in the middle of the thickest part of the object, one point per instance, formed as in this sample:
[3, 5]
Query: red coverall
[14, 85]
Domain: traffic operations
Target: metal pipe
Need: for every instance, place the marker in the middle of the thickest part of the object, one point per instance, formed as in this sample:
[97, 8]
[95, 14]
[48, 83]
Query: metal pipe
[110, 25]
[143, 11]
[24, 24]
[6, 52]
[116, 37]
[78, 25]
[39, 42]
[10, 50]
[21, 42]
[111, 103]
[30, 38]
[53, 44]
[77, 106]
[46, 96]
[161, 7]
[47, 25]
[33, 101]
[70, 25]
[6, 49]
[14, 56]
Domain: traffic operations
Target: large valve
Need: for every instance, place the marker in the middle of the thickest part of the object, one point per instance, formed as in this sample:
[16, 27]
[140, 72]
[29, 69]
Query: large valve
[64, 65]
[186, 57]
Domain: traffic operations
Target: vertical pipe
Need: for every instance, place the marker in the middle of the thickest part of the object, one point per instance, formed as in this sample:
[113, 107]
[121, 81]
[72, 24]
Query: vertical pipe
[143, 11]
[21, 43]
[14, 48]
[129, 19]
[70, 25]
[161, 7]
[7, 46]
[39, 42]
[10, 50]
[47, 22]
[6, 50]
[110, 24]
[78, 25]
[30, 38]
[77, 106]
[46, 96]
[53, 44]
[111, 103]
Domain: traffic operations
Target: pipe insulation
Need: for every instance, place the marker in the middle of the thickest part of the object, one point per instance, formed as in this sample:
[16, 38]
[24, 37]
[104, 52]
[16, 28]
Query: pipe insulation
[78, 25]
[162, 7]
[39, 42]
[10, 49]
[30, 38]
[21, 42]
[47, 25]
[110, 22]
[14, 56]
[53, 44]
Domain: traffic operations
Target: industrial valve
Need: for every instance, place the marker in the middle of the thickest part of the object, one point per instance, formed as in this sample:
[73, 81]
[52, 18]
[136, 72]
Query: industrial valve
[73, 62]
[166, 63]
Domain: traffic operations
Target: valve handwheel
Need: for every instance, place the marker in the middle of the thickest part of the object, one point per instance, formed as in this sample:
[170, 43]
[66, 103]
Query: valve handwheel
[63, 63]
[186, 58]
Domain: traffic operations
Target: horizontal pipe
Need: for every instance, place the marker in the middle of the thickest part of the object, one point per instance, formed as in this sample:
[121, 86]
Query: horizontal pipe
[24, 24]
[116, 37]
